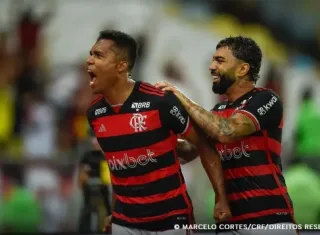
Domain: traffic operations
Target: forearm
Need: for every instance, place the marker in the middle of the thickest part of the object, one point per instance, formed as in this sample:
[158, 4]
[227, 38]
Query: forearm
[213, 125]
[186, 151]
[211, 162]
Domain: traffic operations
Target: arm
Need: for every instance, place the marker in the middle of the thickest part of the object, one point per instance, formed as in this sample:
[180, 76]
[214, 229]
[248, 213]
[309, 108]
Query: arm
[210, 160]
[186, 152]
[176, 118]
[262, 110]
[222, 129]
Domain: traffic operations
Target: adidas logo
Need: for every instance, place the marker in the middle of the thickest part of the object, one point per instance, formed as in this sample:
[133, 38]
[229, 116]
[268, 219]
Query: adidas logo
[102, 128]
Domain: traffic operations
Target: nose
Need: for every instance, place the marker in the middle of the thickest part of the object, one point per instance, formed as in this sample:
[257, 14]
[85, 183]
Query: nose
[213, 66]
[90, 60]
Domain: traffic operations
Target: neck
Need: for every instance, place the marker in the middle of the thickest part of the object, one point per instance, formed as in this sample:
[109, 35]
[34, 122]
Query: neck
[119, 91]
[238, 90]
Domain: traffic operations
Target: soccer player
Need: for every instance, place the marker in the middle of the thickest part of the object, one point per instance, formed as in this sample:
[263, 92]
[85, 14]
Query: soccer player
[247, 130]
[136, 126]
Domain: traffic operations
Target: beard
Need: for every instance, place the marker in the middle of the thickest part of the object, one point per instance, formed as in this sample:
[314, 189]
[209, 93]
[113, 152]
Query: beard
[225, 82]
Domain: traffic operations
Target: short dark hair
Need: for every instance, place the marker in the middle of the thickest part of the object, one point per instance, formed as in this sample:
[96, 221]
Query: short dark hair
[246, 49]
[122, 41]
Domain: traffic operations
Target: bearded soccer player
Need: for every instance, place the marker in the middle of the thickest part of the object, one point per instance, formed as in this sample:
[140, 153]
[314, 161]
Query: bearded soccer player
[136, 126]
[246, 130]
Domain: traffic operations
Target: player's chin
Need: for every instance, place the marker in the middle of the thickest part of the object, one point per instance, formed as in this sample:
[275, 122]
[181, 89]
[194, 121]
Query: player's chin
[96, 91]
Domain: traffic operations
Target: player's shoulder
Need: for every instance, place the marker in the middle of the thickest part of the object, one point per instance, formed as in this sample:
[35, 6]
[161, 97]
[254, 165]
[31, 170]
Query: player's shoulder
[150, 90]
[264, 91]
[96, 106]
[265, 94]
[151, 93]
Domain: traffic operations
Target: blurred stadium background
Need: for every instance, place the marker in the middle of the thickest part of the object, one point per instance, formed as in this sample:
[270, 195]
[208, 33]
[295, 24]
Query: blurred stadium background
[44, 91]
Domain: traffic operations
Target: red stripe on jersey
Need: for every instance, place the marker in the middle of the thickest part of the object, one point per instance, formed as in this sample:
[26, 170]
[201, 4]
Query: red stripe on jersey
[258, 214]
[151, 218]
[187, 129]
[157, 149]
[226, 113]
[276, 178]
[255, 193]
[126, 124]
[155, 92]
[251, 117]
[281, 123]
[146, 178]
[252, 143]
[96, 100]
[248, 171]
[148, 86]
[153, 198]
[185, 196]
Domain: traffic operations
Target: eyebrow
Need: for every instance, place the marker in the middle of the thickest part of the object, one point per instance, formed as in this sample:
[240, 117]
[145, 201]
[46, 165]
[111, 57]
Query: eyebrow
[218, 58]
[95, 52]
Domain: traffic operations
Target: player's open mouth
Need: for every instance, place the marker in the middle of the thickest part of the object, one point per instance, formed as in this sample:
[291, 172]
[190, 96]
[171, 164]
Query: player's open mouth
[92, 77]
[215, 78]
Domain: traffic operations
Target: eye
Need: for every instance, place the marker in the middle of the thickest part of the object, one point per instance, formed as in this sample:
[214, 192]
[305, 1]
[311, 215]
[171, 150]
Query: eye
[220, 61]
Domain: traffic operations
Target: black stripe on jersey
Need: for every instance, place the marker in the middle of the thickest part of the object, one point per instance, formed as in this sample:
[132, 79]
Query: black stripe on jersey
[258, 133]
[238, 185]
[282, 180]
[181, 176]
[275, 134]
[257, 158]
[163, 161]
[160, 225]
[151, 209]
[156, 187]
[256, 204]
[276, 160]
[126, 142]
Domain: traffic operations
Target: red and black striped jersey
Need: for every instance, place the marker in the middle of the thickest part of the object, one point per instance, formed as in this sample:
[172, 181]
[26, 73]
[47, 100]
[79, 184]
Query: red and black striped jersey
[139, 142]
[252, 165]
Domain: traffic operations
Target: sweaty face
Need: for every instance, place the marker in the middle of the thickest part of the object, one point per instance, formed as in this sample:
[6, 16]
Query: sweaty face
[222, 70]
[102, 66]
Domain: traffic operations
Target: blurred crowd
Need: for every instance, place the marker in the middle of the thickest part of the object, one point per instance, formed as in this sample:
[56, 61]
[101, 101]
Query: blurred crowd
[44, 91]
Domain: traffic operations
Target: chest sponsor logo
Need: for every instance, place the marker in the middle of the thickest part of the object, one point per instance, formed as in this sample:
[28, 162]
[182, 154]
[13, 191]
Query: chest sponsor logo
[226, 153]
[127, 162]
[138, 122]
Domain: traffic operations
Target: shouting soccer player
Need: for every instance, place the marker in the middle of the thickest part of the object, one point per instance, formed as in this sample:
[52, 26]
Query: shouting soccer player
[136, 126]
[247, 130]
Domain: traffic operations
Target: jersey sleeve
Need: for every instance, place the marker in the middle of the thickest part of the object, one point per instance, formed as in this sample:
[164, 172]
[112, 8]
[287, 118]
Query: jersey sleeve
[265, 109]
[173, 115]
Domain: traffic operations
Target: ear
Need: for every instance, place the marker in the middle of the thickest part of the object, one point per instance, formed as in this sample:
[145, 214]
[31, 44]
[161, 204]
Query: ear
[243, 69]
[122, 66]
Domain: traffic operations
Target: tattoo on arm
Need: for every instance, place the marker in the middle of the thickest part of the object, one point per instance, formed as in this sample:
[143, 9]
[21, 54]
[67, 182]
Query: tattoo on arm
[219, 127]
